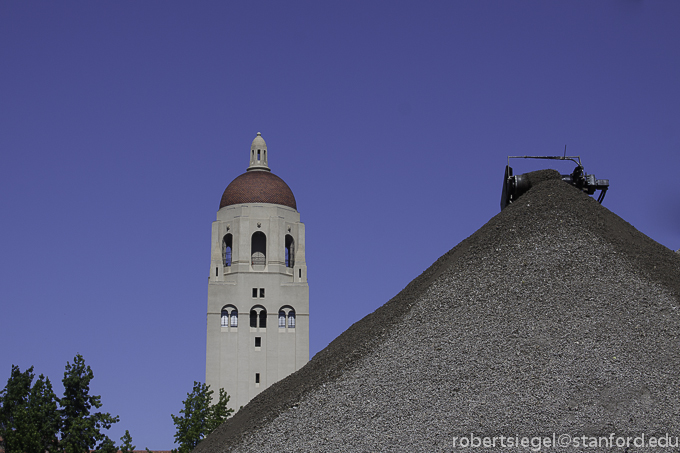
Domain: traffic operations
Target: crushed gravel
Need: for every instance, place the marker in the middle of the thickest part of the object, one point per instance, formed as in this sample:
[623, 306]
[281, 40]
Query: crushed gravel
[557, 316]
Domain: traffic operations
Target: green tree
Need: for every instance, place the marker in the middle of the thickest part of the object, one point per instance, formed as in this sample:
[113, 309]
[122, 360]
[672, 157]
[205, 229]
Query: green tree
[107, 446]
[44, 414]
[126, 446]
[219, 412]
[199, 418]
[29, 422]
[80, 428]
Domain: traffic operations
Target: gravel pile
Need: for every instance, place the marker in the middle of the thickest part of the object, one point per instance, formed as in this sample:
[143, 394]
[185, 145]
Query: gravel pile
[557, 316]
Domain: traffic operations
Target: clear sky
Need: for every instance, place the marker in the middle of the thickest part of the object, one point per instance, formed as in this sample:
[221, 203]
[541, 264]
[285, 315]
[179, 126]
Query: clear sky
[122, 122]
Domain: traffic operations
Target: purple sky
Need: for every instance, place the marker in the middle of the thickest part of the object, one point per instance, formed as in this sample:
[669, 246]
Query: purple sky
[121, 124]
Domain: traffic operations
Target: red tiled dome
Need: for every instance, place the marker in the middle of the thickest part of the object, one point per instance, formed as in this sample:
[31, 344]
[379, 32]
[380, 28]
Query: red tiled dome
[258, 187]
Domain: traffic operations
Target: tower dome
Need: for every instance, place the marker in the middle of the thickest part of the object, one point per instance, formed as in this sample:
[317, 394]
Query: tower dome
[258, 184]
[258, 187]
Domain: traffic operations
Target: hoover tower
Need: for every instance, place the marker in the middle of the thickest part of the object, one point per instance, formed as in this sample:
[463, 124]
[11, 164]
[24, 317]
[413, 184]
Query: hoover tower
[258, 297]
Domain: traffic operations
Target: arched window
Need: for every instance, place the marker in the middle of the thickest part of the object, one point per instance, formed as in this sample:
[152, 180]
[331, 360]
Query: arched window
[287, 312]
[227, 244]
[258, 249]
[229, 316]
[290, 251]
[258, 317]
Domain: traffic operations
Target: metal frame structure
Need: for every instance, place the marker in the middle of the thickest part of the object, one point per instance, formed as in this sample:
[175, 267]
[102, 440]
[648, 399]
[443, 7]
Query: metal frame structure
[515, 185]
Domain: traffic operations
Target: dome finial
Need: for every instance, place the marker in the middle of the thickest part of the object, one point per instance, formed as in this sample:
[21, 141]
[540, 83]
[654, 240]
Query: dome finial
[258, 154]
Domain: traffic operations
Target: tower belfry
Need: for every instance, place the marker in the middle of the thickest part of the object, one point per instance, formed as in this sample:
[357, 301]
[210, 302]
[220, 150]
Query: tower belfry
[258, 296]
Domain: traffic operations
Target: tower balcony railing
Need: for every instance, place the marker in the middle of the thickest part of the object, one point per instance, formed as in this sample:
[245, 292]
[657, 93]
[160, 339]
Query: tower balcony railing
[258, 260]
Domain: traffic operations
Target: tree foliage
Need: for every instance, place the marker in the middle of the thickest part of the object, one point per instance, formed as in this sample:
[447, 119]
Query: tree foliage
[199, 418]
[126, 446]
[106, 446]
[31, 421]
[80, 428]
